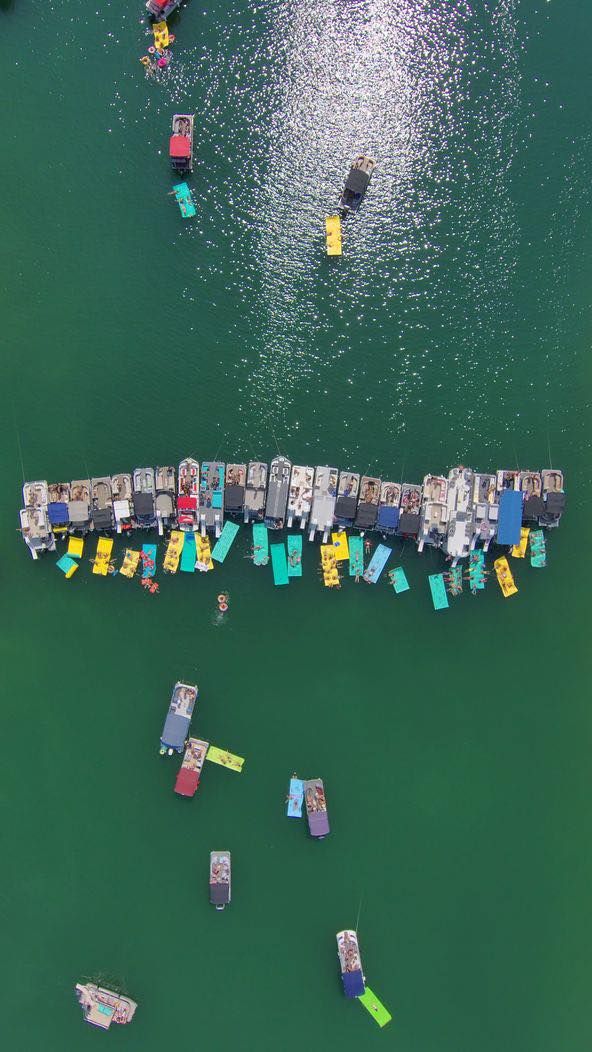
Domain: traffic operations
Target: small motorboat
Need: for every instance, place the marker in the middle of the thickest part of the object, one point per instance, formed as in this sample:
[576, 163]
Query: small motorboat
[357, 183]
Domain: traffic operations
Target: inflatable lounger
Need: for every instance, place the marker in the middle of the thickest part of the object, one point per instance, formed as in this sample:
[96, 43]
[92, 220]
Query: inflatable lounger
[173, 552]
[295, 798]
[75, 547]
[294, 555]
[356, 557]
[398, 579]
[339, 542]
[103, 556]
[188, 555]
[67, 565]
[130, 562]
[279, 564]
[377, 564]
[504, 577]
[374, 1006]
[260, 544]
[333, 235]
[438, 590]
[519, 550]
[225, 758]
[204, 553]
[225, 541]
[538, 550]
[148, 560]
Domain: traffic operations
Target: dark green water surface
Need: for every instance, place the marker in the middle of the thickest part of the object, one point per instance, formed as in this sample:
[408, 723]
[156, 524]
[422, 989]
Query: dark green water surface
[455, 748]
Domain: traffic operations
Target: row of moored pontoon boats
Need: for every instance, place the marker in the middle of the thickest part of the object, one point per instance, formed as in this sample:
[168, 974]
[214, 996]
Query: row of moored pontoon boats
[457, 513]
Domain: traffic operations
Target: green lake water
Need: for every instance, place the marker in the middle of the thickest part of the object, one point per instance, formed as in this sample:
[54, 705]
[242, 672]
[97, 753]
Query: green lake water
[455, 747]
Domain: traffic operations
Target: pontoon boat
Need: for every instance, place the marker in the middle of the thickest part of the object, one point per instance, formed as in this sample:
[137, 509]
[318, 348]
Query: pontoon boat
[220, 879]
[434, 513]
[181, 143]
[323, 501]
[121, 487]
[164, 505]
[277, 493]
[234, 489]
[388, 508]
[350, 963]
[211, 497]
[347, 498]
[300, 495]
[255, 491]
[101, 503]
[143, 498]
[459, 502]
[368, 503]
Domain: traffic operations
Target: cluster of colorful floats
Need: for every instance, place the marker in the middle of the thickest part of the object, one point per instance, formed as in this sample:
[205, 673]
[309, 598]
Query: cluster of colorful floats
[159, 56]
[461, 515]
[356, 184]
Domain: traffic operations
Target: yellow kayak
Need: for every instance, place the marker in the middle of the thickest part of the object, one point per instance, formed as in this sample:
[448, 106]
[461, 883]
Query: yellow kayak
[504, 577]
[173, 552]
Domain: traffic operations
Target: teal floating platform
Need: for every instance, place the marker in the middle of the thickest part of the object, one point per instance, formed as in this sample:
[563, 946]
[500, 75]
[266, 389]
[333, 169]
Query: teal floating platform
[398, 579]
[438, 590]
[377, 563]
[67, 565]
[224, 542]
[279, 564]
[477, 570]
[148, 560]
[356, 556]
[375, 1007]
[295, 798]
[260, 545]
[294, 555]
[185, 201]
[188, 554]
[538, 550]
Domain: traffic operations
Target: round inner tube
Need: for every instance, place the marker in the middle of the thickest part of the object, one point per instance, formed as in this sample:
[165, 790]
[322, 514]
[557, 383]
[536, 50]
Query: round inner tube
[223, 607]
[222, 598]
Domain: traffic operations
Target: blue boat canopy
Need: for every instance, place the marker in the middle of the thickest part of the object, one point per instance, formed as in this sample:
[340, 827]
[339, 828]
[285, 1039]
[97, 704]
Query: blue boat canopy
[58, 514]
[510, 517]
[353, 983]
[388, 517]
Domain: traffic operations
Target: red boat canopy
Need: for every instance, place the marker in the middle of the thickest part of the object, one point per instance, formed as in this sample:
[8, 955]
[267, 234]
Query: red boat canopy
[187, 503]
[179, 146]
[187, 782]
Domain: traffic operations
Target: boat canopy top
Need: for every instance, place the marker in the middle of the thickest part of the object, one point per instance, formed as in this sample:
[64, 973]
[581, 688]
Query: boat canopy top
[58, 514]
[357, 181]
[179, 146]
[510, 517]
[143, 504]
